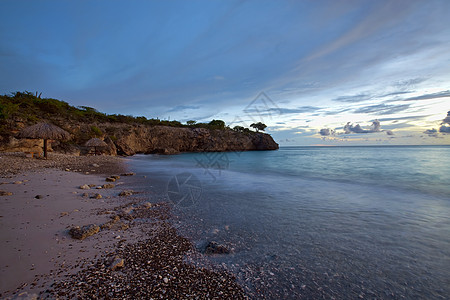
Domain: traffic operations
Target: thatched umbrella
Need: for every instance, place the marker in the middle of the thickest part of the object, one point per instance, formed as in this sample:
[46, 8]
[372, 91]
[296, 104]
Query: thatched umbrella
[96, 142]
[44, 131]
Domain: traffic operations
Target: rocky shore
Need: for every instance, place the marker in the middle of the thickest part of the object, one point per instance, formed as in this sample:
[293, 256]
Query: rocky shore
[60, 240]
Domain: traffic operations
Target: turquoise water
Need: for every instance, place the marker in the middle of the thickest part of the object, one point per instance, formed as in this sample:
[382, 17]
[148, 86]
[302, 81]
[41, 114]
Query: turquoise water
[309, 222]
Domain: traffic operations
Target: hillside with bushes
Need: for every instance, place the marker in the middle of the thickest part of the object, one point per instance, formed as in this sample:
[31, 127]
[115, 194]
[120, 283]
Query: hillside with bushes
[125, 135]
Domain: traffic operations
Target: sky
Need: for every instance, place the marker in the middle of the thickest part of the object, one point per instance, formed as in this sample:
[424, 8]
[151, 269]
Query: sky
[357, 72]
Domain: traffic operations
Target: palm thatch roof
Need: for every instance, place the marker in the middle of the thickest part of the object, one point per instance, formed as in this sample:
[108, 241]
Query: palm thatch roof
[44, 131]
[96, 142]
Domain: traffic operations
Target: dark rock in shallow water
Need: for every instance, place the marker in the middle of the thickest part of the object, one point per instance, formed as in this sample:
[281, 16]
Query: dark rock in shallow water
[215, 248]
[38, 196]
[83, 232]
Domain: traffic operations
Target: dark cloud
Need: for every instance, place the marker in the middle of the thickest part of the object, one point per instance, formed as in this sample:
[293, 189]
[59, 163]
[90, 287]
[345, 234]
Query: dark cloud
[442, 94]
[183, 107]
[336, 112]
[447, 119]
[375, 127]
[409, 83]
[326, 131]
[354, 98]
[401, 118]
[444, 129]
[382, 109]
[431, 132]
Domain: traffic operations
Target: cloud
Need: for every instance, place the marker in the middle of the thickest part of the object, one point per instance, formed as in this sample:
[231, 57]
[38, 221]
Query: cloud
[401, 118]
[442, 94]
[382, 109]
[431, 132]
[444, 129]
[375, 127]
[283, 111]
[326, 132]
[183, 107]
[354, 98]
[447, 119]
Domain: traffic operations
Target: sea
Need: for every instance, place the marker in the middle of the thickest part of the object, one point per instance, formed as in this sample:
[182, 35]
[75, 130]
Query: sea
[315, 222]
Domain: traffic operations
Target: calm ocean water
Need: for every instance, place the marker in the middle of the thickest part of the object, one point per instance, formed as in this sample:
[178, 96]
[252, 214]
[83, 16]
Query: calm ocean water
[309, 222]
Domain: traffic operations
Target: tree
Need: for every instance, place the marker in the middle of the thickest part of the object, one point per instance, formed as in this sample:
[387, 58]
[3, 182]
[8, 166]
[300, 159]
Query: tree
[259, 126]
[238, 128]
[191, 122]
[217, 124]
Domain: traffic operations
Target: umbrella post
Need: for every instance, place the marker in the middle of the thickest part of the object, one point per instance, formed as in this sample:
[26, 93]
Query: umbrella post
[45, 148]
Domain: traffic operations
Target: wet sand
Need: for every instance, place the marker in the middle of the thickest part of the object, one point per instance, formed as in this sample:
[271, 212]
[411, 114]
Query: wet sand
[39, 257]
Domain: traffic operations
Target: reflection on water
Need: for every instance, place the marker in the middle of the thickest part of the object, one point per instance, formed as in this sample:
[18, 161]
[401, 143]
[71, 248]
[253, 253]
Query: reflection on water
[313, 222]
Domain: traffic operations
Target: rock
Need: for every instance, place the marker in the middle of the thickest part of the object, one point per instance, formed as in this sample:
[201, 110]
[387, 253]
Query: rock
[215, 248]
[18, 182]
[108, 186]
[128, 174]
[67, 170]
[92, 185]
[126, 193]
[5, 193]
[64, 213]
[115, 177]
[85, 187]
[110, 179]
[99, 187]
[38, 196]
[96, 196]
[96, 165]
[166, 280]
[25, 296]
[147, 205]
[83, 232]
[85, 195]
[117, 263]
[110, 223]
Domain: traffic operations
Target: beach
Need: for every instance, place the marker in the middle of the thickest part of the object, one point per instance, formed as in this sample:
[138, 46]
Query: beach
[136, 252]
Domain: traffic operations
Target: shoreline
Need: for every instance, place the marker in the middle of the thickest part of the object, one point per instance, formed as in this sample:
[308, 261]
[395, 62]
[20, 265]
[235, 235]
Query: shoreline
[40, 258]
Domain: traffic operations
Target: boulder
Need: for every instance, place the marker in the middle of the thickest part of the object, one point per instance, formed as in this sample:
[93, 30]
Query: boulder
[108, 186]
[85, 187]
[110, 179]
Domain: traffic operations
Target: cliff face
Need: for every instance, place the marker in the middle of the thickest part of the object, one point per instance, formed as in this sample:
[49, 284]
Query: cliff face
[168, 140]
[124, 139]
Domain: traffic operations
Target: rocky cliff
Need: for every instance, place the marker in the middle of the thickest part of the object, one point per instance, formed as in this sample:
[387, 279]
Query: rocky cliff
[126, 139]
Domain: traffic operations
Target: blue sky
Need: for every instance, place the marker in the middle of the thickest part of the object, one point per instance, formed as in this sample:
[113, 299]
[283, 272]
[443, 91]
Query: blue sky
[311, 70]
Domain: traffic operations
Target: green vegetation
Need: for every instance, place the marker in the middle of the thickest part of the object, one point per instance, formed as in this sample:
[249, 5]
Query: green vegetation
[31, 108]
[259, 126]
[96, 132]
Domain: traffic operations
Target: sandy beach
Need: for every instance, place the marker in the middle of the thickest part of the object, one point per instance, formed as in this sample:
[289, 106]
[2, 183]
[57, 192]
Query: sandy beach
[135, 254]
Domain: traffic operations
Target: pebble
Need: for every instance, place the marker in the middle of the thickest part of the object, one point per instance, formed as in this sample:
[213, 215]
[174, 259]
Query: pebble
[126, 193]
[96, 165]
[85, 187]
[166, 280]
[38, 196]
[110, 179]
[18, 182]
[5, 193]
[96, 196]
